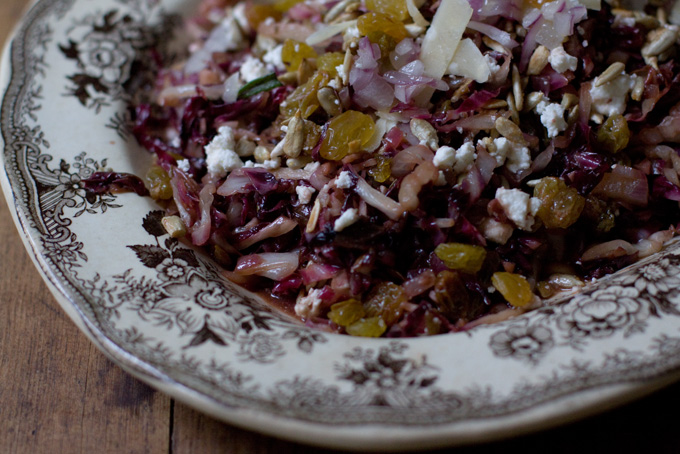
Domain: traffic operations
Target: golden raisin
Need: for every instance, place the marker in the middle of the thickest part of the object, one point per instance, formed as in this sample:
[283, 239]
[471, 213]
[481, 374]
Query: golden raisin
[561, 205]
[395, 9]
[304, 97]
[351, 130]
[514, 288]
[382, 171]
[346, 312]
[385, 301]
[367, 327]
[257, 13]
[293, 52]
[462, 257]
[157, 181]
[614, 134]
[378, 22]
[329, 62]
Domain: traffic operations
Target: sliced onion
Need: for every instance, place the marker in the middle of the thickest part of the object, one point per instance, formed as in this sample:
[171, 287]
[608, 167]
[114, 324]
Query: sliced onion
[498, 35]
[200, 232]
[625, 184]
[280, 226]
[609, 250]
[315, 272]
[272, 265]
[235, 183]
[378, 200]
[406, 160]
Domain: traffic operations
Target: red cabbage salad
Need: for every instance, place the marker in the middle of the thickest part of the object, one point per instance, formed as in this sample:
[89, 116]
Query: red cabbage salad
[414, 167]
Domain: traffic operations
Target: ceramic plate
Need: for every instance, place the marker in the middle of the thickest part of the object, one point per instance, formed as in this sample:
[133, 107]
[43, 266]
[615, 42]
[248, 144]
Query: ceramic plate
[163, 312]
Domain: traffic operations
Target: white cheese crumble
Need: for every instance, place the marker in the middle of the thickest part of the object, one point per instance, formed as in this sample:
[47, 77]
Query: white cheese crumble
[552, 117]
[519, 206]
[465, 156]
[610, 98]
[347, 218]
[304, 194]
[184, 165]
[220, 156]
[310, 305]
[273, 57]
[344, 180]
[252, 68]
[445, 157]
[232, 38]
[312, 166]
[561, 61]
[493, 65]
[515, 156]
[239, 13]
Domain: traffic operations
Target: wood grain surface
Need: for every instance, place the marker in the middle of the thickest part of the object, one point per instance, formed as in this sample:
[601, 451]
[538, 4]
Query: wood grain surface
[59, 394]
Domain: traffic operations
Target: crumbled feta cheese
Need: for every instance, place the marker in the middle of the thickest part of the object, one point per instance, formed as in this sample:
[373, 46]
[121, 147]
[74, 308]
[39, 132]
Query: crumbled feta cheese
[239, 13]
[493, 65]
[610, 98]
[312, 166]
[272, 164]
[552, 117]
[445, 157]
[561, 61]
[347, 218]
[465, 156]
[518, 206]
[344, 180]
[273, 57]
[304, 194]
[441, 179]
[220, 156]
[230, 35]
[184, 165]
[309, 305]
[252, 68]
[515, 156]
[351, 32]
[495, 231]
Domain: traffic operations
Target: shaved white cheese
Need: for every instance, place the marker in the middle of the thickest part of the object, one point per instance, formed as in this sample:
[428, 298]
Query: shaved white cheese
[328, 31]
[441, 41]
[414, 12]
[468, 61]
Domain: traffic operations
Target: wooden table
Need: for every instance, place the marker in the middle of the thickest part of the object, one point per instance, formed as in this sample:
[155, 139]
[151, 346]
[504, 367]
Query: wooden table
[59, 394]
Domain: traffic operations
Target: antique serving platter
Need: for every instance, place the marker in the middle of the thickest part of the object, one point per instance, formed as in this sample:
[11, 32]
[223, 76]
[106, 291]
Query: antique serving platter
[164, 313]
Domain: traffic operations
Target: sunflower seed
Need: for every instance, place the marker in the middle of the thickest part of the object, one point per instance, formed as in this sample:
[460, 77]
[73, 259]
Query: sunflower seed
[611, 73]
[514, 113]
[533, 99]
[337, 10]
[638, 89]
[329, 101]
[174, 226]
[496, 104]
[494, 45]
[509, 130]
[314, 216]
[425, 133]
[569, 100]
[295, 137]
[538, 61]
[517, 89]
[660, 40]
